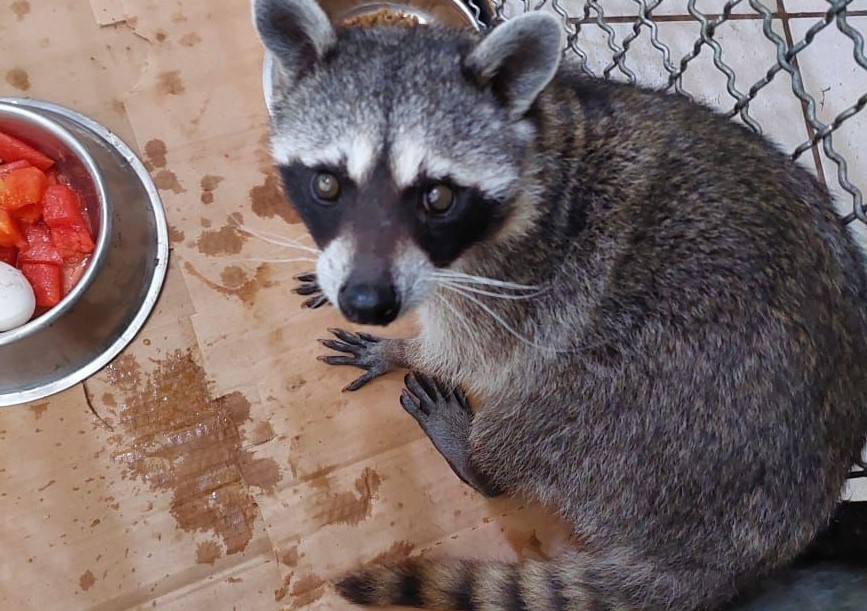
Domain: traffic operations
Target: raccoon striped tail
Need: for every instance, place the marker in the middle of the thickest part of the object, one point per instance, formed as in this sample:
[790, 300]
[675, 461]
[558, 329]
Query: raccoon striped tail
[465, 585]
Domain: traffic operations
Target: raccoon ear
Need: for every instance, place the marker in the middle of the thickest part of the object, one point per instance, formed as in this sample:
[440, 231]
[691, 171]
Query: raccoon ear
[297, 32]
[519, 58]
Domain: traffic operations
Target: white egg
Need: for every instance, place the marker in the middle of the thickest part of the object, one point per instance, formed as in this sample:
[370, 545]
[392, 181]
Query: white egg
[17, 301]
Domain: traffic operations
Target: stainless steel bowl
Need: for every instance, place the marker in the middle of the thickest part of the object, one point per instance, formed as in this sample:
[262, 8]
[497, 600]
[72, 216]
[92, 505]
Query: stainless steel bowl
[454, 13]
[111, 302]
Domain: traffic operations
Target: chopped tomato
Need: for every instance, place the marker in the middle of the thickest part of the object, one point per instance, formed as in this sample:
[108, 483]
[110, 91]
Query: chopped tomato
[72, 242]
[8, 255]
[12, 149]
[72, 273]
[44, 230]
[10, 233]
[40, 248]
[22, 187]
[29, 214]
[47, 282]
[6, 168]
[62, 207]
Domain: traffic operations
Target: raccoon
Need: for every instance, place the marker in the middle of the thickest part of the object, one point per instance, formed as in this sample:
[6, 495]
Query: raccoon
[659, 316]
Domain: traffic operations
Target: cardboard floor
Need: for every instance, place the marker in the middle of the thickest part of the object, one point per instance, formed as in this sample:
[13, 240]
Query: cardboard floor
[216, 464]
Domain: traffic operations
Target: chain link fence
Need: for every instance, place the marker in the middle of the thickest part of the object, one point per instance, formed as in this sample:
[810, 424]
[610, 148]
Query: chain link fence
[746, 58]
[603, 37]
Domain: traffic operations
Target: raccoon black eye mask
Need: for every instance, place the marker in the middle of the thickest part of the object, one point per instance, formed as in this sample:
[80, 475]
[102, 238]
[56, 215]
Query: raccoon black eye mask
[658, 315]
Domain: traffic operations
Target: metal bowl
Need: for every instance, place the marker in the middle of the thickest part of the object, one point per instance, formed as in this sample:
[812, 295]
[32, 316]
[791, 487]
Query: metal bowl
[454, 13]
[119, 289]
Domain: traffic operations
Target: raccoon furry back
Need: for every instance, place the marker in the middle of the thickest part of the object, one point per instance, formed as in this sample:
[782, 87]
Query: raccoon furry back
[687, 387]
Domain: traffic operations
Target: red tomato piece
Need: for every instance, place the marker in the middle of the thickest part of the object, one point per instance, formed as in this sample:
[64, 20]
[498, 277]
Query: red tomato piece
[8, 255]
[47, 282]
[61, 207]
[29, 214]
[22, 187]
[72, 273]
[72, 242]
[40, 248]
[10, 233]
[12, 149]
[7, 168]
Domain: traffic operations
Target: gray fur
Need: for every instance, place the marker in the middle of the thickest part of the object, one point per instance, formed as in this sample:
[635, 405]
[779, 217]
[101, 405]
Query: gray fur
[689, 388]
[297, 33]
[528, 50]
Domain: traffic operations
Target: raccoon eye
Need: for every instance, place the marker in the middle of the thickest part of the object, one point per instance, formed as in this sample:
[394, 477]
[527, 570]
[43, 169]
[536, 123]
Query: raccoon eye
[439, 199]
[326, 186]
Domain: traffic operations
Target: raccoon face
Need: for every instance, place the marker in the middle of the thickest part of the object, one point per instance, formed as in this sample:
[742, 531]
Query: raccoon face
[401, 148]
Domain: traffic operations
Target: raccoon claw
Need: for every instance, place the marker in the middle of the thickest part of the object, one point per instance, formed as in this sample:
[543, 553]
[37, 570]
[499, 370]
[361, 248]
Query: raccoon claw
[308, 287]
[445, 416]
[360, 350]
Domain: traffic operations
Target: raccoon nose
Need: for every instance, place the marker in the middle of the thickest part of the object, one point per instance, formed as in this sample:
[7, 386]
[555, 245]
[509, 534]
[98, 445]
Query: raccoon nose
[369, 303]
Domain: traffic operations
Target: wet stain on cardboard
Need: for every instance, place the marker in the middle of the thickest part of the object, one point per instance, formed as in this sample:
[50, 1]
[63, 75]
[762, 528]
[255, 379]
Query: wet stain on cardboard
[155, 151]
[118, 106]
[307, 590]
[209, 184]
[268, 201]
[237, 283]
[166, 180]
[208, 552]
[20, 8]
[263, 473]
[126, 371]
[86, 581]
[169, 83]
[261, 433]
[38, 409]
[190, 40]
[400, 550]
[224, 241]
[527, 546]
[354, 507]
[233, 276]
[176, 236]
[281, 592]
[290, 557]
[161, 36]
[177, 439]
[18, 78]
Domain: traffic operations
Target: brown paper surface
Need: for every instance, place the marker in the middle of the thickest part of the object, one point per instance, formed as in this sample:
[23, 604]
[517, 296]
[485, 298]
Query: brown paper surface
[215, 464]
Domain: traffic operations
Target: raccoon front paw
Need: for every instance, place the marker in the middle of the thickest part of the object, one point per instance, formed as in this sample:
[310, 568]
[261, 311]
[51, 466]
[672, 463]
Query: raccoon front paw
[445, 416]
[361, 350]
[308, 287]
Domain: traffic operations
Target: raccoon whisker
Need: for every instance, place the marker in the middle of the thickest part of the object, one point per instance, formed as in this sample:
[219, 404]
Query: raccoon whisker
[479, 291]
[460, 317]
[495, 316]
[277, 240]
[468, 279]
[499, 319]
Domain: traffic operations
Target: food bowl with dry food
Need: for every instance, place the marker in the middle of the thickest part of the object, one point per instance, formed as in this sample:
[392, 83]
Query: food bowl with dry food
[453, 13]
[117, 282]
